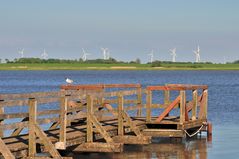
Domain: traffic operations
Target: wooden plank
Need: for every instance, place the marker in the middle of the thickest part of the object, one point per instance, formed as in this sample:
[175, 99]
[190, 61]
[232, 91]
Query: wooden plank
[148, 105]
[122, 85]
[89, 122]
[177, 87]
[29, 95]
[32, 122]
[5, 151]
[182, 106]
[99, 147]
[115, 93]
[120, 117]
[24, 124]
[192, 124]
[129, 139]
[168, 109]
[25, 115]
[85, 87]
[163, 133]
[159, 88]
[188, 86]
[11, 103]
[13, 115]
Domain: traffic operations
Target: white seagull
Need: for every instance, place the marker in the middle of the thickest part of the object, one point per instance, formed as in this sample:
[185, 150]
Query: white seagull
[69, 81]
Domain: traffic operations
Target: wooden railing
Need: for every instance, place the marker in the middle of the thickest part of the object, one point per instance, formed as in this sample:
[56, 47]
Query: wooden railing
[104, 96]
[91, 103]
[181, 100]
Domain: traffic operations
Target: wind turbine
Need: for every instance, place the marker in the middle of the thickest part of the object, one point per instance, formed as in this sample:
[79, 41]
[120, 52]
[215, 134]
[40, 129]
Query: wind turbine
[173, 53]
[44, 55]
[21, 52]
[84, 57]
[197, 53]
[224, 60]
[106, 53]
[151, 56]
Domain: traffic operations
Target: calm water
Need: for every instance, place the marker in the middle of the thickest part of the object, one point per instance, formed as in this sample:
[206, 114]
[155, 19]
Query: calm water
[223, 108]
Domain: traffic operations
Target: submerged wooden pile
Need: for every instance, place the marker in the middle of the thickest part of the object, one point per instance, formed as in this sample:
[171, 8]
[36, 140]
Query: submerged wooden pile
[99, 118]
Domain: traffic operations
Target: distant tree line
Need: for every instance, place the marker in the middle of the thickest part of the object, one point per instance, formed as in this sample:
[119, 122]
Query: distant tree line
[190, 64]
[236, 62]
[68, 61]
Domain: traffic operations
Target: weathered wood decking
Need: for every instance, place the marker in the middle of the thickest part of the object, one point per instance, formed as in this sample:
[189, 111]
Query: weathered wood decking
[99, 118]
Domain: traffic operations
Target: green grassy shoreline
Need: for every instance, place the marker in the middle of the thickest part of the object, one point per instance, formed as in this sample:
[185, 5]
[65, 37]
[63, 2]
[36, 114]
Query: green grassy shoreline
[118, 67]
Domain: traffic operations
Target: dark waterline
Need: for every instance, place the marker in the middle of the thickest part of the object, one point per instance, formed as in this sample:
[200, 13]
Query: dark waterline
[223, 108]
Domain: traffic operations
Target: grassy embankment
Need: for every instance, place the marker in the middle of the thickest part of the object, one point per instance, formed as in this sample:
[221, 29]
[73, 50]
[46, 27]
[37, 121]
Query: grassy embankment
[80, 66]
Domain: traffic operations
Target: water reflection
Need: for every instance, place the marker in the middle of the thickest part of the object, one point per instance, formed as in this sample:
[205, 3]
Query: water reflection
[160, 148]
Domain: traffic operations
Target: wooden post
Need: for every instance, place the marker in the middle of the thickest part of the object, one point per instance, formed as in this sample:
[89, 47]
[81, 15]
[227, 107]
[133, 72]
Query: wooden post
[195, 103]
[205, 94]
[209, 132]
[1, 120]
[148, 105]
[63, 123]
[89, 122]
[166, 97]
[120, 114]
[182, 106]
[139, 101]
[32, 122]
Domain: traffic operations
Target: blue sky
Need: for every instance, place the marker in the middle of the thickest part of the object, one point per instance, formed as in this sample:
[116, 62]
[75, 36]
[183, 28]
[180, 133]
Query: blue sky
[129, 28]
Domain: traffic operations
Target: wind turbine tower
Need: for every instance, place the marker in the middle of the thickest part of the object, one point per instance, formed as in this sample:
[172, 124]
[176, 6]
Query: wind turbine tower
[151, 56]
[84, 57]
[106, 53]
[197, 53]
[44, 55]
[173, 53]
[21, 52]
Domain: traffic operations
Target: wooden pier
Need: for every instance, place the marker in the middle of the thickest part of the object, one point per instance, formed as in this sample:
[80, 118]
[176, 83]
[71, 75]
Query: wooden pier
[99, 118]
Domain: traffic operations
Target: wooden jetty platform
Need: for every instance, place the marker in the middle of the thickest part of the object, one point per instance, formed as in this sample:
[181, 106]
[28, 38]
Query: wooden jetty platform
[99, 118]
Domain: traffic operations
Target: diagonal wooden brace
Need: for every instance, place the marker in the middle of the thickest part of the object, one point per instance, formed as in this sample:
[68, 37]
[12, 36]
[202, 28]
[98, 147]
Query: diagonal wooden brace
[5, 150]
[168, 109]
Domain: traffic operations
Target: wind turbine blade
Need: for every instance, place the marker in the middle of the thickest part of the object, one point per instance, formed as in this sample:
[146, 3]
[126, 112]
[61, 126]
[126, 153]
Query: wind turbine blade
[83, 50]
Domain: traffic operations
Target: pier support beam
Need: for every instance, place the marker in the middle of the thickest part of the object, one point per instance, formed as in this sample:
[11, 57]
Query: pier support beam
[139, 101]
[32, 122]
[63, 123]
[148, 105]
[182, 106]
[195, 103]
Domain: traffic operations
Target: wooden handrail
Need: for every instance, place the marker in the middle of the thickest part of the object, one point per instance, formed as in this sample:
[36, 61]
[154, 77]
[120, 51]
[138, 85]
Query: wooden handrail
[99, 86]
[173, 87]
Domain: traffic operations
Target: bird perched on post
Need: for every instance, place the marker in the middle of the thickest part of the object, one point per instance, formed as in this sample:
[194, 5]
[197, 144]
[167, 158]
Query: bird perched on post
[69, 81]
